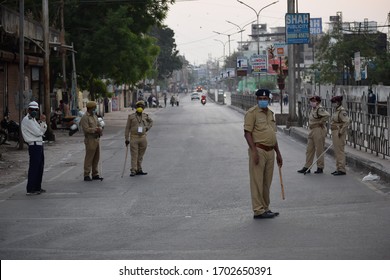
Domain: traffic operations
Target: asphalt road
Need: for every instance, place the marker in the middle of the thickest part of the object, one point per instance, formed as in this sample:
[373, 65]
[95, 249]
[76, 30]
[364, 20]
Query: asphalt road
[194, 203]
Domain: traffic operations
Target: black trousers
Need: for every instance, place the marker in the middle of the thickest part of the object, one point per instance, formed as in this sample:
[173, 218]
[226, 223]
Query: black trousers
[35, 170]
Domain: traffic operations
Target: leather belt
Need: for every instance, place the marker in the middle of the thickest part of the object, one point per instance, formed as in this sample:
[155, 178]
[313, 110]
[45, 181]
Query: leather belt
[316, 125]
[263, 147]
[92, 136]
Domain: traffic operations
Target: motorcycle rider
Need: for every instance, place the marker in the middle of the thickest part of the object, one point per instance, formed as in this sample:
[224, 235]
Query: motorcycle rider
[203, 99]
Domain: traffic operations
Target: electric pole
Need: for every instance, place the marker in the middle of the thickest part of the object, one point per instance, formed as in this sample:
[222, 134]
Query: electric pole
[46, 66]
[292, 95]
[21, 70]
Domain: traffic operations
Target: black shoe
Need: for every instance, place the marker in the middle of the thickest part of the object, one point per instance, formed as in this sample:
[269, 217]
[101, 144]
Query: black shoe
[33, 193]
[132, 173]
[265, 215]
[87, 178]
[304, 170]
[140, 172]
[338, 173]
[275, 213]
[334, 172]
[42, 191]
[97, 177]
[319, 171]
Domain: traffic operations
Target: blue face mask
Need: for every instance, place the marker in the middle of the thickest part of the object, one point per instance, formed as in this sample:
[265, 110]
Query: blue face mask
[262, 103]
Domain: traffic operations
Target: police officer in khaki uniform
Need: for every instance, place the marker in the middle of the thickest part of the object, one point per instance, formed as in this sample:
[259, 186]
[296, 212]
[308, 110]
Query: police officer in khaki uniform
[260, 134]
[137, 125]
[92, 132]
[339, 126]
[316, 140]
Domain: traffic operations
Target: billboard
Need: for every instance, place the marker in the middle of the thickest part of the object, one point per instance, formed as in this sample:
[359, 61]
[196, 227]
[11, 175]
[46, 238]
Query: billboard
[259, 64]
[297, 28]
[315, 26]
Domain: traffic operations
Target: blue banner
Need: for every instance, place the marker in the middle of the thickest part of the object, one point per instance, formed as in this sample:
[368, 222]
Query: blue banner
[297, 28]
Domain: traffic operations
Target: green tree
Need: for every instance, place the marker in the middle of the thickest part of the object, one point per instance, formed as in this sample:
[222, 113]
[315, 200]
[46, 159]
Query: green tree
[168, 59]
[336, 53]
[111, 38]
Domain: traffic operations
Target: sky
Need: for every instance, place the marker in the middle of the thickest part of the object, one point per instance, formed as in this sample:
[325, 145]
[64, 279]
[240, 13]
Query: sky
[194, 21]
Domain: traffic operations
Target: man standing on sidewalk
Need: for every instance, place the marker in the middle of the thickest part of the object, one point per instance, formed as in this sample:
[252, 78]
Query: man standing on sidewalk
[32, 131]
[260, 134]
[339, 126]
[137, 125]
[92, 132]
[316, 141]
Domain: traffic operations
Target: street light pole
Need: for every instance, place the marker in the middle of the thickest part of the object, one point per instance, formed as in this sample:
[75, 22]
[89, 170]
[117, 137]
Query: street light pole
[241, 30]
[257, 19]
[223, 46]
[219, 33]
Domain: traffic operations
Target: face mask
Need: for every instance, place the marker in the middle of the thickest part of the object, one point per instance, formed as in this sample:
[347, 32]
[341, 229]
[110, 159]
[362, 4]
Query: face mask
[262, 103]
[33, 114]
[139, 110]
[313, 104]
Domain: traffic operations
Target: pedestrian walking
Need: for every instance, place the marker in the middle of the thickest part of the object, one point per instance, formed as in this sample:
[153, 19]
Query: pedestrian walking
[33, 131]
[339, 126]
[285, 99]
[165, 100]
[138, 124]
[260, 134]
[371, 100]
[173, 100]
[316, 139]
[92, 133]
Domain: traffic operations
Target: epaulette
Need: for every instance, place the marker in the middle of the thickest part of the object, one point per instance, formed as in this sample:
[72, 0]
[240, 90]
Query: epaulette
[252, 108]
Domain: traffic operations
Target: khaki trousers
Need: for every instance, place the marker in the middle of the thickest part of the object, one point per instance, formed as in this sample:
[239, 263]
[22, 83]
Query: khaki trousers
[338, 146]
[315, 145]
[260, 180]
[92, 156]
[138, 145]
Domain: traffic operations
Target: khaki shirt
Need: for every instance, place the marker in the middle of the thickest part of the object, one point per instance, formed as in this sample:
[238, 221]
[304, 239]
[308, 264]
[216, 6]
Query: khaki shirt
[318, 117]
[340, 119]
[261, 123]
[89, 123]
[137, 125]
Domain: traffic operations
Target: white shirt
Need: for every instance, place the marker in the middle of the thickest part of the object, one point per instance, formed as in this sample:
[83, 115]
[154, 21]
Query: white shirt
[32, 131]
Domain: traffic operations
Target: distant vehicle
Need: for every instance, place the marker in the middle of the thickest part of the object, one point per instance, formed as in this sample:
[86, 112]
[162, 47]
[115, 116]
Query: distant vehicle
[199, 89]
[195, 95]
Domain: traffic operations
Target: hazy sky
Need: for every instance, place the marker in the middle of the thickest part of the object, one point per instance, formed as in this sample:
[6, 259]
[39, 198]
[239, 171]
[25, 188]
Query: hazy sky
[194, 21]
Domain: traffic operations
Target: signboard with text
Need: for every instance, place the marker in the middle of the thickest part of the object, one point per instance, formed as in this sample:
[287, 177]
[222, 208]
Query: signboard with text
[315, 26]
[259, 64]
[297, 28]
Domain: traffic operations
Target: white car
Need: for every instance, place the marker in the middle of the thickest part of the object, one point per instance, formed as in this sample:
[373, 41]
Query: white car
[195, 95]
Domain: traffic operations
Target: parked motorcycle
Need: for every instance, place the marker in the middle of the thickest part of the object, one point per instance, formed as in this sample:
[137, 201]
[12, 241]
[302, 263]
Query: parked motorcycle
[3, 136]
[76, 123]
[9, 129]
